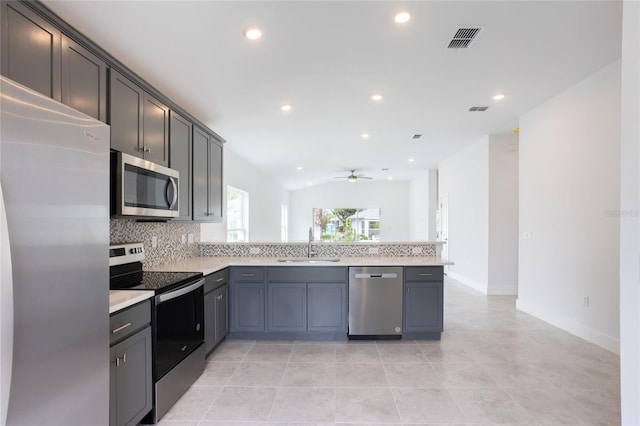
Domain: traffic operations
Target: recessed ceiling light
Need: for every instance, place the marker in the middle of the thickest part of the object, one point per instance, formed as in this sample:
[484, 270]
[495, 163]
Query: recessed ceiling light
[498, 97]
[299, 167]
[389, 178]
[377, 97]
[309, 184]
[365, 135]
[411, 160]
[253, 33]
[385, 169]
[286, 107]
[402, 17]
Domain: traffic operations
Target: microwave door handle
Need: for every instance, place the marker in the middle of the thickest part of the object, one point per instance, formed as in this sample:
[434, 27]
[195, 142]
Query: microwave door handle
[172, 200]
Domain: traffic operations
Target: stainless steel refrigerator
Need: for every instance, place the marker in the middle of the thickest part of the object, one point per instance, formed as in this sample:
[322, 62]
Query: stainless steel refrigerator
[54, 288]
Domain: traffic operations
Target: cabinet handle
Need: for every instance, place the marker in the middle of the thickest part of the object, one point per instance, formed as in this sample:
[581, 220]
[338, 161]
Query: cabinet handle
[147, 150]
[424, 275]
[122, 327]
[408, 290]
[248, 275]
[260, 291]
[219, 279]
[122, 359]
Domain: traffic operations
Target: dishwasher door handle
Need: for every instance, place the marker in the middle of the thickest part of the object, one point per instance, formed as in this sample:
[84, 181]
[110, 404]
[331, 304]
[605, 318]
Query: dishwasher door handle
[385, 275]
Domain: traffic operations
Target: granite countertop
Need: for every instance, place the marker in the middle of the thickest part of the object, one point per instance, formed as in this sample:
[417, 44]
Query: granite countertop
[121, 299]
[209, 265]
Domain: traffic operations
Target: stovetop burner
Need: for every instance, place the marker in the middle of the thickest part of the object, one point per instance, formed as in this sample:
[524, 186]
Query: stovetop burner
[125, 271]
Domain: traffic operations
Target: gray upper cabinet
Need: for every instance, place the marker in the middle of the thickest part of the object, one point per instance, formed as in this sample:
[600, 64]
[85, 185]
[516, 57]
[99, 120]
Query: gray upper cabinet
[207, 177]
[139, 122]
[30, 50]
[180, 159]
[84, 80]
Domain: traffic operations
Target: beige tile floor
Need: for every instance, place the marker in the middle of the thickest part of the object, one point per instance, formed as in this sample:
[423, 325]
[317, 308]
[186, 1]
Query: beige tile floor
[494, 365]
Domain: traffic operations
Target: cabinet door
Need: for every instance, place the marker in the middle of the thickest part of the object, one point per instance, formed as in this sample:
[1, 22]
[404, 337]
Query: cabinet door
[327, 304]
[423, 307]
[215, 181]
[30, 50]
[180, 131]
[210, 320]
[125, 114]
[222, 313]
[248, 307]
[200, 175]
[155, 130]
[84, 80]
[130, 379]
[287, 306]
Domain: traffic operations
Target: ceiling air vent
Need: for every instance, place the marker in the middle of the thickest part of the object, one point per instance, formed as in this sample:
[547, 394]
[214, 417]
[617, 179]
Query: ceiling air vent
[416, 136]
[463, 38]
[478, 108]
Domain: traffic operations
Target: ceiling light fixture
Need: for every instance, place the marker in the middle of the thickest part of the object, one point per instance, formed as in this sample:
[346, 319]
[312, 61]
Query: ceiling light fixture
[299, 167]
[498, 97]
[411, 160]
[389, 178]
[252, 33]
[377, 97]
[286, 107]
[365, 135]
[402, 17]
[352, 178]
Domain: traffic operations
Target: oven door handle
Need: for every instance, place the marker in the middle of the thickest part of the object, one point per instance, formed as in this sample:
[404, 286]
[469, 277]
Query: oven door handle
[161, 298]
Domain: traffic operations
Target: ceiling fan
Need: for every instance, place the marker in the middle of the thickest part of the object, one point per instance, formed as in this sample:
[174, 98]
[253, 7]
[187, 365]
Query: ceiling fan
[353, 177]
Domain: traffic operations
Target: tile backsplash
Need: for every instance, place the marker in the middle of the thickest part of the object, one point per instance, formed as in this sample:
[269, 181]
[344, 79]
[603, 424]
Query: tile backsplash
[399, 249]
[169, 239]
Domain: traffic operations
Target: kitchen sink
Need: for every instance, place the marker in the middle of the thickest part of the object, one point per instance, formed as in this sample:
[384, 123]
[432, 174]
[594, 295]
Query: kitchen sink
[308, 259]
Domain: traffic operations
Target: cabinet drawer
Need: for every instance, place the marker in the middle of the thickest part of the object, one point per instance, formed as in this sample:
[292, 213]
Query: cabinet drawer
[423, 273]
[248, 273]
[125, 323]
[307, 274]
[215, 280]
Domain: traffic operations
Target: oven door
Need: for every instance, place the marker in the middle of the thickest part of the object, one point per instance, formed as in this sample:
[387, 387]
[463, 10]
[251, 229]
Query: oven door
[179, 326]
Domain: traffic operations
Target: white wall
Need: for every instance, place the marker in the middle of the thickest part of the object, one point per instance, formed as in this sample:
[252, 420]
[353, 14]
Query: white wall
[569, 179]
[503, 214]
[464, 179]
[391, 197]
[423, 203]
[265, 198]
[629, 229]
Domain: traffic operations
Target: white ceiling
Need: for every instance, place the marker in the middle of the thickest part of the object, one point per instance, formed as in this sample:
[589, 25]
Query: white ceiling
[326, 58]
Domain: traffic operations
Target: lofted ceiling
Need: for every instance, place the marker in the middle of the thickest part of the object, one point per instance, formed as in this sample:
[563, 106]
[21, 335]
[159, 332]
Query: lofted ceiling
[327, 58]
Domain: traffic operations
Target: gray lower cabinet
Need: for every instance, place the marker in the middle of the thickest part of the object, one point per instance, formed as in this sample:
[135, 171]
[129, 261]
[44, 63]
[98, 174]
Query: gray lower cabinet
[130, 381]
[180, 159]
[247, 299]
[207, 176]
[306, 299]
[423, 299]
[216, 317]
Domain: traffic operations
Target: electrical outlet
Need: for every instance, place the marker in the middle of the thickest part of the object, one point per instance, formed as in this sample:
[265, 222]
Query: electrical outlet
[184, 238]
[154, 242]
[526, 235]
[374, 250]
[416, 250]
[254, 250]
[190, 238]
[585, 301]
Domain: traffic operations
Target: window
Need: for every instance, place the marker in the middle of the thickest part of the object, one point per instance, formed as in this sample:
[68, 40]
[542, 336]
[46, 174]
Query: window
[284, 223]
[347, 224]
[237, 214]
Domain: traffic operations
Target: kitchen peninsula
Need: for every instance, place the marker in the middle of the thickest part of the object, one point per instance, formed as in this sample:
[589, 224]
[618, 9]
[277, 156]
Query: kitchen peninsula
[277, 291]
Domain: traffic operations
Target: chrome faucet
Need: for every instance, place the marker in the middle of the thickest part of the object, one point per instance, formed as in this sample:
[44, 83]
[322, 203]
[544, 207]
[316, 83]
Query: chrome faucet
[309, 252]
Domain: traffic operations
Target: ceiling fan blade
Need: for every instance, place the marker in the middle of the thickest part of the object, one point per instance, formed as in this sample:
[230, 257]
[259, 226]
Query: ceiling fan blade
[364, 177]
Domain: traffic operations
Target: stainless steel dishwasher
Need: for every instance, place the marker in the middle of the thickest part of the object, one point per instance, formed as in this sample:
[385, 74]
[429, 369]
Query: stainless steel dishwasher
[375, 302]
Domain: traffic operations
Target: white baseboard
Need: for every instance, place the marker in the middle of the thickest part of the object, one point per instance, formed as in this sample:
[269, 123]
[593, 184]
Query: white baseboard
[506, 290]
[561, 321]
[482, 288]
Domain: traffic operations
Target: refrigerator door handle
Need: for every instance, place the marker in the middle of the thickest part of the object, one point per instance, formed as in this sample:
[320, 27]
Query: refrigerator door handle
[6, 314]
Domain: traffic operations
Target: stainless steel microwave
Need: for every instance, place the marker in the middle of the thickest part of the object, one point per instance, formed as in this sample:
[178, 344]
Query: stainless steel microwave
[145, 189]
